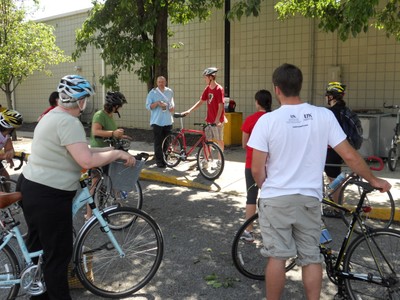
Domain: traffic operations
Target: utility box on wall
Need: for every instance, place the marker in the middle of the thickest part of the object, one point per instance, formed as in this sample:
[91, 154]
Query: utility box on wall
[232, 129]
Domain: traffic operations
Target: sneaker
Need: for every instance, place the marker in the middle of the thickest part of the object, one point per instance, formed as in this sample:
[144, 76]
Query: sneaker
[204, 164]
[247, 236]
[217, 165]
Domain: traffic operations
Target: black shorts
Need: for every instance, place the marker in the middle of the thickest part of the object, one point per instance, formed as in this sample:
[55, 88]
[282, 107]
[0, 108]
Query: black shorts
[333, 158]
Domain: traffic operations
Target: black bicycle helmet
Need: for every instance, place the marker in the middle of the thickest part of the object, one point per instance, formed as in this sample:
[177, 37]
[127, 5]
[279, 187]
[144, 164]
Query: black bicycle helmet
[210, 71]
[115, 98]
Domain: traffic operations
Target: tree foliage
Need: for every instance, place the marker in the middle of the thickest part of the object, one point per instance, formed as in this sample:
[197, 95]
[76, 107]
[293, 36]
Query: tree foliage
[133, 35]
[25, 47]
[347, 17]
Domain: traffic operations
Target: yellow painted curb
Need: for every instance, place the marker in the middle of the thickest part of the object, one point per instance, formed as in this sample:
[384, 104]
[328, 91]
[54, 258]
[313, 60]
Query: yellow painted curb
[381, 213]
[156, 176]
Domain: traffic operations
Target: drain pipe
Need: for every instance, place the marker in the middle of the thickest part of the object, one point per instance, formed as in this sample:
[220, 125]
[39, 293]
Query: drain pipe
[227, 50]
[312, 62]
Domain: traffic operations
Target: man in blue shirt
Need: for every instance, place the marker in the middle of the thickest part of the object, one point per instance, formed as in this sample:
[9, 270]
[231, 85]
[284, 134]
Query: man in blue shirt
[160, 102]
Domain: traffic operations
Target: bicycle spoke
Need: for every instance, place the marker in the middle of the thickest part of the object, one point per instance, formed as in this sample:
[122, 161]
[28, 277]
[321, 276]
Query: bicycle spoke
[210, 160]
[375, 259]
[378, 209]
[142, 243]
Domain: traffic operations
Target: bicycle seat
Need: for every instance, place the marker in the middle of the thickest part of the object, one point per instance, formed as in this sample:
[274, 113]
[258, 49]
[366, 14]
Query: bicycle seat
[6, 199]
[179, 115]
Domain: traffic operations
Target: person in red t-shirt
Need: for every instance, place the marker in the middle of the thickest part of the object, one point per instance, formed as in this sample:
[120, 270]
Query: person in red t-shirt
[53, 103]
[213, 94]
[263, 100]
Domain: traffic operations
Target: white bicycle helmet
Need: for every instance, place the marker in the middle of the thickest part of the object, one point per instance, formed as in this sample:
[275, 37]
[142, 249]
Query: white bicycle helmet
[73, 88]
[210, 71]
[10, 119]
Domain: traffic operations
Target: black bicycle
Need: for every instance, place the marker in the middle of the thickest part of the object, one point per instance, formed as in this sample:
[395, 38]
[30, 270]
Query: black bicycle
[393, 155]
[366, 267]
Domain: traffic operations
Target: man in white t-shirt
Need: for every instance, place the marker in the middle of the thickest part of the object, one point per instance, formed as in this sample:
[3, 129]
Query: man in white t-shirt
[290, 147]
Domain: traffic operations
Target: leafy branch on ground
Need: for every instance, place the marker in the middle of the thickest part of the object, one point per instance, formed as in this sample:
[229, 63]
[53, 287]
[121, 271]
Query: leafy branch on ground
[217, 281]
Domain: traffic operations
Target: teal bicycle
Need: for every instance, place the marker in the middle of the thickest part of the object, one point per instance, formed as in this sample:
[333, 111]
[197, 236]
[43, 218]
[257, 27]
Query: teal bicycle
[116, 252]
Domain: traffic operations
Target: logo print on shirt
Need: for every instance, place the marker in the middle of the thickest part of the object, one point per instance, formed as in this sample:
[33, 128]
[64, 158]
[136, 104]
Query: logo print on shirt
[210, 98]
[308, 117]
[293, 119]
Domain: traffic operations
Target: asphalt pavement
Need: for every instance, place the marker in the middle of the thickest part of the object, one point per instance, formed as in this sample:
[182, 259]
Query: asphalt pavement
[199, 218]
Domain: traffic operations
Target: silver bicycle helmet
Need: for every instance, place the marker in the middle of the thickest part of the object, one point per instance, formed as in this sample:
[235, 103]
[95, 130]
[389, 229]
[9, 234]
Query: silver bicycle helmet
[73, 88]
[210, 71]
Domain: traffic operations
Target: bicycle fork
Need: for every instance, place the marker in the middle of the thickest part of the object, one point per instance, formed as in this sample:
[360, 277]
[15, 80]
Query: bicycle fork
[106, 229]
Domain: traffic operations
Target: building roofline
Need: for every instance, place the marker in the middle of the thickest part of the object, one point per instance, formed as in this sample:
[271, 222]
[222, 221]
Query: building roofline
[58, 16]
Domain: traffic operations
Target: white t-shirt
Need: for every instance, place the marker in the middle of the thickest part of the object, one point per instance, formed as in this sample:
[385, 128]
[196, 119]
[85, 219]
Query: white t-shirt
[296, 139]
[50, 163]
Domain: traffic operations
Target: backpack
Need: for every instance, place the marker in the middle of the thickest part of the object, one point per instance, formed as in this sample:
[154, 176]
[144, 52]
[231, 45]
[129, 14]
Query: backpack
[351, 125]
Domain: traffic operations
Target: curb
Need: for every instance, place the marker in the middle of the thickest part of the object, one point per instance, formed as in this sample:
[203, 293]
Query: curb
[156, 176]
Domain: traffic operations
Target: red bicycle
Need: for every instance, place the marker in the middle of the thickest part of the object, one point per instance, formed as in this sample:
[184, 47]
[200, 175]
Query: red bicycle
[210, 158]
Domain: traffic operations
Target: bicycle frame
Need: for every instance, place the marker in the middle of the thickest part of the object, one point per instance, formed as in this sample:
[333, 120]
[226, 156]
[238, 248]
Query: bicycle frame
[82, 198]
[346, 241]
[181, 135]
[395, 139]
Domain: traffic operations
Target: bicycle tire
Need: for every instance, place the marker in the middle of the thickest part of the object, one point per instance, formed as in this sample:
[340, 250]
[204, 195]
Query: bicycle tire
[100, 267]
[393, 157]
[382, 206]
[9, 269]
[246, 255]
[210, 160]
[172, 149]
[9, 186]
[384, 257]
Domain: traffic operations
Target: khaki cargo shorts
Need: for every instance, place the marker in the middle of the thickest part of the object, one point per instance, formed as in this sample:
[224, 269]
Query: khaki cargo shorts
[291, 226]
[214, 133]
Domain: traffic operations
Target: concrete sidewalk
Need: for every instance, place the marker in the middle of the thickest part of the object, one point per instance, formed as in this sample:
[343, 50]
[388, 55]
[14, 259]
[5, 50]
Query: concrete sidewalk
[231, 181]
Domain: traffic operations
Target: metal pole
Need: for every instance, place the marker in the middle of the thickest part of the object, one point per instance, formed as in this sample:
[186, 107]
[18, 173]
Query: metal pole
[227, 51]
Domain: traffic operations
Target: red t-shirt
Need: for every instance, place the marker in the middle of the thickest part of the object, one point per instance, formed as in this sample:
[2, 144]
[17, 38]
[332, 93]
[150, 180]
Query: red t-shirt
[247, 127]
[213, 97]
[47, 110]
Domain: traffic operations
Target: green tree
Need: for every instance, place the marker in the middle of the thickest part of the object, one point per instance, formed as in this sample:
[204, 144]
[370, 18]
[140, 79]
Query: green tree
[25, 47]
[133, 35]
[345, 17]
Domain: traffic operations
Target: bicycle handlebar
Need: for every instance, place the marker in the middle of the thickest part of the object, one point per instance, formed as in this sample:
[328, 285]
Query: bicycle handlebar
[179, 115]
[391, 106]
[205, 124]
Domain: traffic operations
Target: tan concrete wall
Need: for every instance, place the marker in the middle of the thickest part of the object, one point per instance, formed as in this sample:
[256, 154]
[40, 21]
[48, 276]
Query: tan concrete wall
[368, 64]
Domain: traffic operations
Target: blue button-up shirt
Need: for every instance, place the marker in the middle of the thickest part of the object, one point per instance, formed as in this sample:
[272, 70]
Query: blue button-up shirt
[158, 116]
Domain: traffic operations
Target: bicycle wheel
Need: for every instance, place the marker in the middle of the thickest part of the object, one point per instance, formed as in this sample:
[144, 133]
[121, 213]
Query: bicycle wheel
[393, 157]
[9, 186]
[378, 209]
[172, 149]
[375, 258]
[9, 269]
[246, 255]
[100, 267]
[210, 160]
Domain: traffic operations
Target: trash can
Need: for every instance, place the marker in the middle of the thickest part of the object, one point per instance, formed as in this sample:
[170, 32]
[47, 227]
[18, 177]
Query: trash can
[232, 132]
[377, 133]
